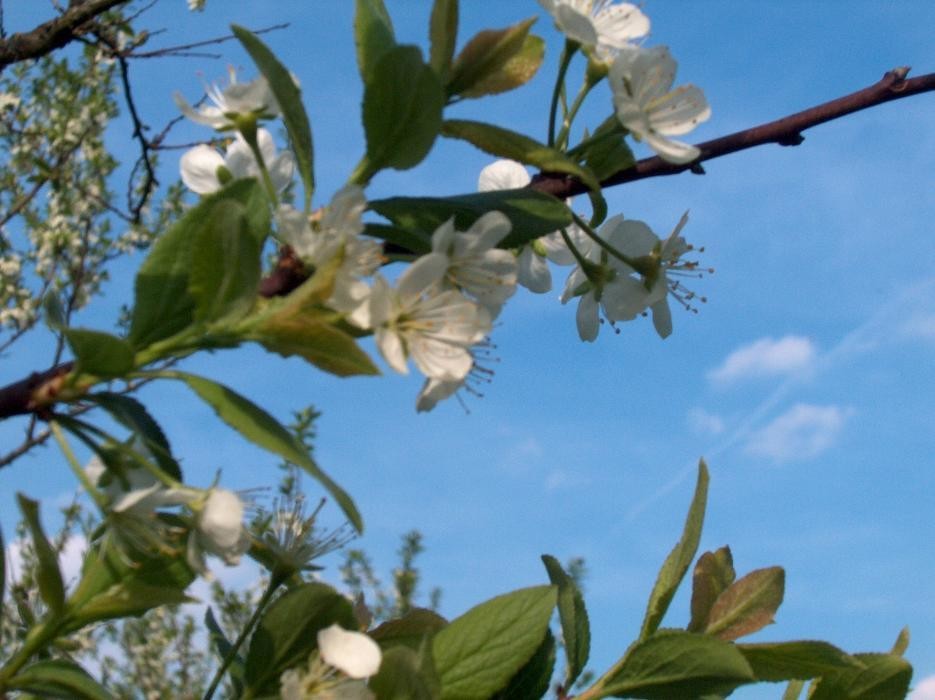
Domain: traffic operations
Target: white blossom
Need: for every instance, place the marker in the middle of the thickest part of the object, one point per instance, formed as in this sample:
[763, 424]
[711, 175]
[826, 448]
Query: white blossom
[218, 529]
[201, 166]
[646, 104]
[236, 100]
[599, 24]
[353, 653]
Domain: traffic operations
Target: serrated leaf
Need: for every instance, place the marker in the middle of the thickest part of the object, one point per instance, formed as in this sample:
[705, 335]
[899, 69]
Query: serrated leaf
[672, 665]
[443, 34]
[287, 633]
[57, 678]
[316, 340]
[99, 353]
[883, 677]
[225, 268]
[289, 97]
[478, 653]
[412, 241]
[532, 214]
[485, 55]
[517, 71]
[163, 304]
[402, 676]
[402, 112]
[532, 681]
[48, 575]
[504, 143]
[133, 415]
[713, 573]
[260, 428]
[373, 34]
[410, 630]
[783, 661]
[223, 648]
[576, 630]
[748, 605]
[680, 558]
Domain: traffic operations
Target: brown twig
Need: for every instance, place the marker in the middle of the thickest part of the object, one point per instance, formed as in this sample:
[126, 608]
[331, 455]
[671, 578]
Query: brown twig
[53, 34]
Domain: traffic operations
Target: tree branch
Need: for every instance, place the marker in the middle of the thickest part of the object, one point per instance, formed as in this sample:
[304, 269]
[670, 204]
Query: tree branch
[53, 34]
[785, 132]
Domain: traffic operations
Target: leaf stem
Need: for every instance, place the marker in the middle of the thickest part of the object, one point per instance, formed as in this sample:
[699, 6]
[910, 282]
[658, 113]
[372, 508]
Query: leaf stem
[564, 61]
[561, 140]
[78, 470]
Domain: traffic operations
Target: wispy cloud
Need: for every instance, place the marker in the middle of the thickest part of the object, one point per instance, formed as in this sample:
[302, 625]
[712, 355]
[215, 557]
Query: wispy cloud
[919, 326]
[766, 357]
[924, 690]
[704, 423]
[802, 432]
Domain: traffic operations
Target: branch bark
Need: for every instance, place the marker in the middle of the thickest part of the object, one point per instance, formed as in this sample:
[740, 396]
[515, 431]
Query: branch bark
[53, 34]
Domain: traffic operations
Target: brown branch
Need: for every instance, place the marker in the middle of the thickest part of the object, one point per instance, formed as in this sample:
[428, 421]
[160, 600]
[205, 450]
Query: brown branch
[785, 132]
[53, 34]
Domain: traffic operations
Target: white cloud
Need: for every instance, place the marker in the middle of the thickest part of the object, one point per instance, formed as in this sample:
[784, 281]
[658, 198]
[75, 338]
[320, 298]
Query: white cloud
[924, 690]
[69, 561]
[766, 357]
[920, 326]
[802, 432]
[704, 423]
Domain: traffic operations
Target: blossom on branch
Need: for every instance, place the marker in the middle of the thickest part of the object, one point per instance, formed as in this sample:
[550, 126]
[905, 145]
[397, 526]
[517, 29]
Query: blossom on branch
[646, 104]
[599, 24]
[204, 170]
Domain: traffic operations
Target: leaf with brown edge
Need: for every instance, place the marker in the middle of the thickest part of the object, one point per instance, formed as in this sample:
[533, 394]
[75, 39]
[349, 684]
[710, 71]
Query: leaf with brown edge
[748, 604]
[713, 573]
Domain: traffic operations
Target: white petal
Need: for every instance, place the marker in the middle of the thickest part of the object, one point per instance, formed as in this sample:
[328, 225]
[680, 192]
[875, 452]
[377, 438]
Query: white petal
[532, 271]
[662, 318]
[239, 159]
[631, 237]
[422, 274]
[575, 25]
[221, 520]
[672, 151]
[281, 170]
[587, 319]
[503, 175]
[617, 24]
[680, 111]
[353, 653]
[435, 390]
[391, 347]
[199, 167]
[489, 230]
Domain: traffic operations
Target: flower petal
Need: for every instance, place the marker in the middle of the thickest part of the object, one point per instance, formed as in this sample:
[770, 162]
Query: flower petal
[532, 271]
[199, 167]
[352, 653]
[587, 318]
[503, 175]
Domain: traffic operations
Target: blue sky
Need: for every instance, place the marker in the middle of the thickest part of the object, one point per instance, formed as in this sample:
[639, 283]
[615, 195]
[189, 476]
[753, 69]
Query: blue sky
[805, 381]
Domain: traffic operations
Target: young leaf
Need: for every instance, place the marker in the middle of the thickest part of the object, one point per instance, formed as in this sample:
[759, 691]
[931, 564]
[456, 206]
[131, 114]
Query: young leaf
[225, 269]
[289, 97]
[478, 653]
[402, 111]
[784, 661]
[883, 677]
[49, 575]
[672, 665]
[576, 631]
[415, 242]
[57, 678]
[901, 643]
[443, 33]
[373, 34]
[260, 428]
[223, 648]
[99, 353]
[518, 70]
[287, 633]
[486, 57]
[532, 681]
[127, 598]
[532, 214]
[747, 605]
[713, 573]
[504, 143]
[679, 559]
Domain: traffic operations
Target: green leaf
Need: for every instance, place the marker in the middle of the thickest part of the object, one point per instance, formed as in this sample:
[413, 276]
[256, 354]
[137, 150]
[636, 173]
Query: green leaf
[784, 661]
[532, 214]
[443, 34]
[260, 428]
[793, 690]
[163, 304]
[675, 664]
[402, 676]
[373, 35]
[224, 648]
[517, 71]
[413, 241]
[504, 143]
[133, 415]
[576, 630]
[713, 573]
[57, 678]
[49, 575]
[287, 633]
[127, 598]
[748, 605]
[225, 270]
[532, 681]
[53, 310]
[313, 338]
[402, 112]
[99, 353]
[901, 643]
[606, 152]
[478, 653]
[486, 58]
[883, 677]
[289, 97]
[679, 559]
[410, 630]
